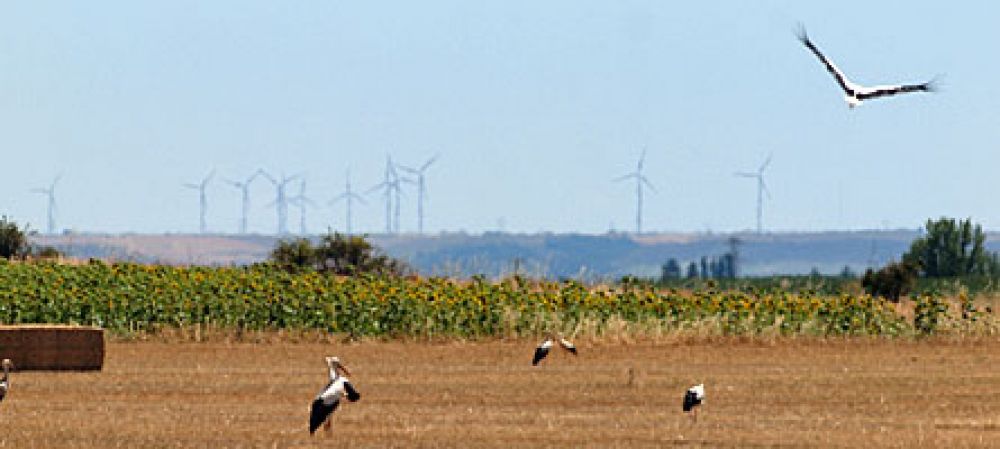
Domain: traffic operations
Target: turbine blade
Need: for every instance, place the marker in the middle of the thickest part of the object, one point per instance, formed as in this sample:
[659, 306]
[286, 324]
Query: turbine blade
[429, 162]
[376, 187]
[268, 176]
[624, 177]
[745, 174]
[763, 186]
[765, 164]
[648, 184]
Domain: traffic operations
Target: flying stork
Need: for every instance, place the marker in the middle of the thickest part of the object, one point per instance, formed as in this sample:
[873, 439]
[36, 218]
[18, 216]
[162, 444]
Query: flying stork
[543, 349]
[5, 381]
[693, 397]
[329, 398]
[855, 93]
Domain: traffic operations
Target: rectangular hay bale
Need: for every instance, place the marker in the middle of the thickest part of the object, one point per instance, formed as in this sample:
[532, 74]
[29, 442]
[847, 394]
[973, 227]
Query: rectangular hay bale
[53, 347]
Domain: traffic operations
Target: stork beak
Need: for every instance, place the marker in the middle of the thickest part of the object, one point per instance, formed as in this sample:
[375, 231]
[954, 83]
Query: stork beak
[346, 371]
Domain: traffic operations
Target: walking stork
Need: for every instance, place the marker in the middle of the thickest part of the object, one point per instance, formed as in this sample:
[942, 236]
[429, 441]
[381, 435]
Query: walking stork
[5, 381]
[329, 398]
[694, 397]
[543, 349]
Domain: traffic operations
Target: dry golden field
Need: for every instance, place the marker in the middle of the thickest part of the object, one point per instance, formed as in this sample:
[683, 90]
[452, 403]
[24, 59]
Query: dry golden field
[785, 393]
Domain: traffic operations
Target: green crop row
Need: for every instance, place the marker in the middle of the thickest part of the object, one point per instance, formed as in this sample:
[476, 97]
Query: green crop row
[144, 298]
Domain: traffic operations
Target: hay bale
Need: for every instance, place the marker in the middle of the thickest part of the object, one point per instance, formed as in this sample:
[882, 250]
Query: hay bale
[53, 347]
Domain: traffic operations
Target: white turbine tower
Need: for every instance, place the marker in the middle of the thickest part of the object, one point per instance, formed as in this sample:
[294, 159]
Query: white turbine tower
[244, 187]
[421, 189]
[202, 200]
[392, 191]
[761, 191]
[349, 197]
[280, 202]
[50, 192]
[640, 180]
[302, 201]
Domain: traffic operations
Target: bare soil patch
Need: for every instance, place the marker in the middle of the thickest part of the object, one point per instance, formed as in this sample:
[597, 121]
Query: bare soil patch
[794, 393]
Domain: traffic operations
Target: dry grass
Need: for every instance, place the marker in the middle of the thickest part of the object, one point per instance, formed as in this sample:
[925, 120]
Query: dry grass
[791, 393]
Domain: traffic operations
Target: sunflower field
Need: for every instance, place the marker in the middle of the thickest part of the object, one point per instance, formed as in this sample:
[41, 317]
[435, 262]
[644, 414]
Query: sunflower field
[129, 298]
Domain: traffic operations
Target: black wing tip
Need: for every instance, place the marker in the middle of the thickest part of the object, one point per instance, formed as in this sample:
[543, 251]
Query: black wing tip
[572, 350]
[800, 33]
[934, 85]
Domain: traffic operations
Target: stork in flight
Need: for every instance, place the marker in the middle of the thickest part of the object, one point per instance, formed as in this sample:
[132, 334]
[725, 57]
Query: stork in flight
[543, 349]
[693, 397]
[855, 93]
[329, 398]
[5, 381]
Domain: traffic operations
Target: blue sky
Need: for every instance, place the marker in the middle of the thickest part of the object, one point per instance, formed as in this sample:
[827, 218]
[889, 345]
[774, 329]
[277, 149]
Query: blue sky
[533, 108]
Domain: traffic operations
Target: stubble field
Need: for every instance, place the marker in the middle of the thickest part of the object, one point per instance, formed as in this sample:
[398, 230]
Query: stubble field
[783, 393]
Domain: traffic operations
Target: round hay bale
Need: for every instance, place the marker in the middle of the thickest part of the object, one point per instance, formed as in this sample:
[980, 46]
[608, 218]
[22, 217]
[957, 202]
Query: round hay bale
[53, 347]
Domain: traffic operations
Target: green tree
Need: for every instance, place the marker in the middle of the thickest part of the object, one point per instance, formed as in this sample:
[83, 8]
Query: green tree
[692, 271]
[337, 254]
[891, 281]
[670, 270]
[294, 255]
[951, 249]
[13, 240]
[353, 254]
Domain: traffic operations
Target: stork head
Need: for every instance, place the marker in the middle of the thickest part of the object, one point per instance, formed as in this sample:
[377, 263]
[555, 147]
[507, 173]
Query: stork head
[7, 365]
[334, 364]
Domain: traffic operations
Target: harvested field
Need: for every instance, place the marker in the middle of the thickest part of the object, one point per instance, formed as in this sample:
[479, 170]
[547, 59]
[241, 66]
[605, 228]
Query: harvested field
[788, 393]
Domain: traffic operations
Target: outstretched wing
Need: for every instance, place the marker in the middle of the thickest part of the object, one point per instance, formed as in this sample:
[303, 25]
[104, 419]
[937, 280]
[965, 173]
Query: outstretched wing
[830, 67]
[320, 412]
[885, 91]
[567, 345]
[352, 394]
[540, 353]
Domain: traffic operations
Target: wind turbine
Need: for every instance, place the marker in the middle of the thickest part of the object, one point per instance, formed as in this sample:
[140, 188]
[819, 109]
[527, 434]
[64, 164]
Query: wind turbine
[392, 190]
[301, 201]
[349, 196]
[761, 190]
[202, 199]
[280, 199]
[244, 186]
[421, 189]
[640, 180]
[51, 194]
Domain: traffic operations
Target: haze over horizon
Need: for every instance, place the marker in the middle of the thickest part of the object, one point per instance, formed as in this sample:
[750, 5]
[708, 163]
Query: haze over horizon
[533, 108]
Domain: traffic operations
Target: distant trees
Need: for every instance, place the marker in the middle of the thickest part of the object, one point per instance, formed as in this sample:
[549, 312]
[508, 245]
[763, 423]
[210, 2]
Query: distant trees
[13, 240]
[715, 267]
[952, 249]
[948, 249]
[891, 281]
[14, 243]
[692, 271]
[670, 270]
[336, 254]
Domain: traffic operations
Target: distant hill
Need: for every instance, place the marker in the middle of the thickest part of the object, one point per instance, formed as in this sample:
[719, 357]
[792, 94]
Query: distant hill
[551, 255]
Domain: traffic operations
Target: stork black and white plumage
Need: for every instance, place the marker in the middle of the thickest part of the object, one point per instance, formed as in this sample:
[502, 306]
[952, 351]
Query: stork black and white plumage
[546, 346]
[5, 380]
[329, 398]
[855, 93]
[693, 397]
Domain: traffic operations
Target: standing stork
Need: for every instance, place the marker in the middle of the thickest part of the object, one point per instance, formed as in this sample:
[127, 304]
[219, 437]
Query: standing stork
[693, 397]
[5, 381]
[329, 398]
[543, 349]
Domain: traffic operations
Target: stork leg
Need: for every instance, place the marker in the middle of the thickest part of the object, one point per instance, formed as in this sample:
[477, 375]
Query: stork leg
[327, 425]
